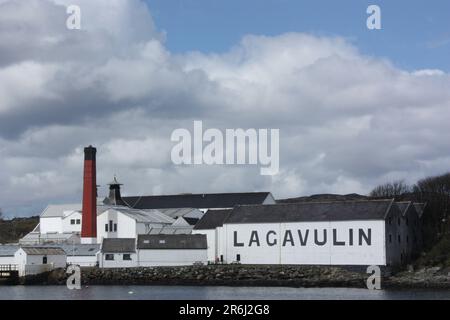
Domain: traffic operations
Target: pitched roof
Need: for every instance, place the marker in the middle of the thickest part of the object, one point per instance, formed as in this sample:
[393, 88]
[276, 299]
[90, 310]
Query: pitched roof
[212, 219]
[201, 201]
[403, 206]
[57, 210]
[311, 211]
[171, 230]
[420, 207]
[8, 250]
[182, 212]
[146, 216]
[172, 241]
[33, 251]
[191, 221]
[119, 245]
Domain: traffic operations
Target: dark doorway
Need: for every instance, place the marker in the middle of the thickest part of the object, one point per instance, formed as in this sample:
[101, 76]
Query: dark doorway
[44, 260]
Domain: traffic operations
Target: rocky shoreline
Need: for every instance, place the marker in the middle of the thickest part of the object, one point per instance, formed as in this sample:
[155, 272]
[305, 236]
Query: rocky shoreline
[247, 275]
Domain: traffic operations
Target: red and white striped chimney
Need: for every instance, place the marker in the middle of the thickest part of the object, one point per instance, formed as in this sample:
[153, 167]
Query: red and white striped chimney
[89, 213]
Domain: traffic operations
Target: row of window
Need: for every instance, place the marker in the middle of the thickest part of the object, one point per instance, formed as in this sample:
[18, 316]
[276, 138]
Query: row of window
[416, 222]
[125, 257]
[75, 221]
[400, 239]
[111, 227]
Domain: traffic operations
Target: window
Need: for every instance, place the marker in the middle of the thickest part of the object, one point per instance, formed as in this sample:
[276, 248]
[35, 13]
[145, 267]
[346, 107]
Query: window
[390, 238]
[109, 257]
[407, 239]
[399, 240]
[115, 227]
[398, 221]
[390, 220]
[238, 257]
[106, 227]
[44, 260]
[78, 221]
[407, 221]
[221, 258]
[72, 221]
[127, 257]
[110, 225]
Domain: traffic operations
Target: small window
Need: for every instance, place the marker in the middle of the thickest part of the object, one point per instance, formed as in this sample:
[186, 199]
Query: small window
[390, 220]
[106, 227]
[146, 241]
[162, 241]
[115, 227]
[398, 221]
[238, 257]
[72, 221]
[110, 225]
[127, 257]
[109, 257]
[399, 239]
[221, 258]
[78, 221]
[390, 238]
[407, 239]
[407, 221]
[44, 260]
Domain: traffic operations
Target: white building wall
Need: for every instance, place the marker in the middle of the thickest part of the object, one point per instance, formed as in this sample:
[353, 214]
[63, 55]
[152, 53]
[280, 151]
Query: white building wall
[51, 225]
[82, 261]
[66, 222]
[32, 264]
[118, 261]
[7, 260]
[173, 257]
[310, 253]
[211, 239]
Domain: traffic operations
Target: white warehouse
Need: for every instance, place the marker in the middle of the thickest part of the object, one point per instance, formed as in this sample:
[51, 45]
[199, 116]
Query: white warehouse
[371, 232]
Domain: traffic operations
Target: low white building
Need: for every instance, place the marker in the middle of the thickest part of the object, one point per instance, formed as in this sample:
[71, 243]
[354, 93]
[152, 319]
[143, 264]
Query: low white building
[7, 253]
[35, 260]
[123, 222]
[369, 232]
[211, 226]
[171, 250]
[118, 253]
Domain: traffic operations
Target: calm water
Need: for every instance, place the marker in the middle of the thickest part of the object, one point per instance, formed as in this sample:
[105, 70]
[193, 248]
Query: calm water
[210, 293]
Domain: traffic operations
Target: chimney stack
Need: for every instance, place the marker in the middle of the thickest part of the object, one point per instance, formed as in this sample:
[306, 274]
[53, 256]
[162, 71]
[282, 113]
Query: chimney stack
[89, 213]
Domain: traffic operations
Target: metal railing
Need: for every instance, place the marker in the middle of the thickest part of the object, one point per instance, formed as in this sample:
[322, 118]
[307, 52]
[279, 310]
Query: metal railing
[9, 267]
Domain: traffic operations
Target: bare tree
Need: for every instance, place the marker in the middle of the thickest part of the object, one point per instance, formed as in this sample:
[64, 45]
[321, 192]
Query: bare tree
[394, 189]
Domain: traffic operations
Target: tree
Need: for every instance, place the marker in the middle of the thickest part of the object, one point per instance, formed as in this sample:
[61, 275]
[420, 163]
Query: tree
[1, 214]
[395, 189]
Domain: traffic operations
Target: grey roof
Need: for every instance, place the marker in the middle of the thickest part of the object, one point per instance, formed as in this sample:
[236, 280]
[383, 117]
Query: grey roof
[200, 201]
[403, 206]
[43, 251]
[212, 219]
[145, 216]
[311, 211]
[8, 250]
[182, 212]
[178, 241]
[57, 210]
[81, 249]
[171, 230]
[119, 245]
[420, 207]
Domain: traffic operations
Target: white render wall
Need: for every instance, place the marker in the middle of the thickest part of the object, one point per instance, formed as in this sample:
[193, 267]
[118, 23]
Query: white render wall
[309, 254]
[50, 225]
[32, 264]
[118, 261]
[171, 257]
[211, 238]
[67, 227]
[7, 260]
[82, 261]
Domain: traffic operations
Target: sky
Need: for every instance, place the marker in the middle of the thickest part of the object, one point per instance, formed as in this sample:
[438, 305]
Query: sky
[354, 107]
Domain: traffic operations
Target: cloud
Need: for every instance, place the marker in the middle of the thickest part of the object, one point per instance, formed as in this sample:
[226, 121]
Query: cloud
[347, 121]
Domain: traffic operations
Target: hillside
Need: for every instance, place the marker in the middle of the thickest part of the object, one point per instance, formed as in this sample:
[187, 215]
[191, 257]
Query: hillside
[12, 230]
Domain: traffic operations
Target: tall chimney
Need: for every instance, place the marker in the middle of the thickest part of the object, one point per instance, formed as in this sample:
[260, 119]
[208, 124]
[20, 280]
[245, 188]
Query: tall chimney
[89, 213]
